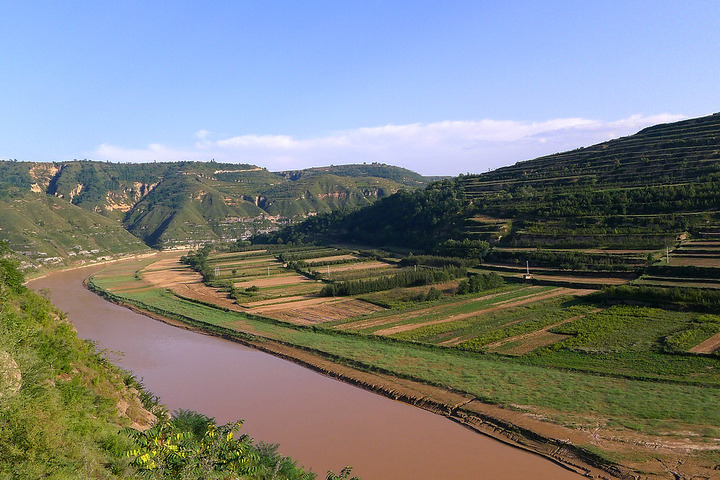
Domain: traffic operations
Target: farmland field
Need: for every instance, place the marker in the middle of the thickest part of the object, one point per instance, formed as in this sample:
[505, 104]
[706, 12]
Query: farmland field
[638, 375]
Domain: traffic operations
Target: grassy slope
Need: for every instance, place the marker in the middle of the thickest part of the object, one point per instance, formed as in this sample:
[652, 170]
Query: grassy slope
[48, 231]
[63, 422]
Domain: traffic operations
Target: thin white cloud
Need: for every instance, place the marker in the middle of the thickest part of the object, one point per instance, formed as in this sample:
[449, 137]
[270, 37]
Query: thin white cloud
[441, 148]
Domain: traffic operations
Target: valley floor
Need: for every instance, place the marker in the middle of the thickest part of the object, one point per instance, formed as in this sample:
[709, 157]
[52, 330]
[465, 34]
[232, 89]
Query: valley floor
[595, 419]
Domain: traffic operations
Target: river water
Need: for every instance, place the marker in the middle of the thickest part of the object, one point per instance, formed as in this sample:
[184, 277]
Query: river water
[322, 423]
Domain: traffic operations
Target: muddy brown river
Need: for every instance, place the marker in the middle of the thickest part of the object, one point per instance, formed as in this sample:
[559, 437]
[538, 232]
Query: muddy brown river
[321, 422]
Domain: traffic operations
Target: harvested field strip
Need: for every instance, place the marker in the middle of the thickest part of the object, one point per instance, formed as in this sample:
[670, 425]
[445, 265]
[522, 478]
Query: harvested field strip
[470, 325]
[309, 254]
[275, 301]
[248, 262]
[246, 273]
[300, 302]
[586, 280]
[313, 314]
[288, 290]
[274, 281]
[343, 267]
[311, 261]
[349, 271]
[677, 283]
[232, 255]
[696, 261]
[710, 345]
[681, 279]
[522, 346]
[468, 305]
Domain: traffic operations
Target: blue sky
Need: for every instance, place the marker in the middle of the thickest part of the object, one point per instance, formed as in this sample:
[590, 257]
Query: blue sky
[439, 87]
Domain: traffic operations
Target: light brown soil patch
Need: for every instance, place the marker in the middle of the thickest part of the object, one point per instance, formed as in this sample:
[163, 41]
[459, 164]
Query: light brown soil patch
[236, 254]
[239, 263]
[300, 302]
[344, 267]
[310, 261]
[589, 280]
[696, 261]
[486, 219]
[279, 300]
[710, 345]
[500, 306]
[275, 281]
[701, 243]
[316, 313]
[639, 252]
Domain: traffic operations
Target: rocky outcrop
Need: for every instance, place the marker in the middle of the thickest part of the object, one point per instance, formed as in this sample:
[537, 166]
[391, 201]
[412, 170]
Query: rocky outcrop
[10, 375]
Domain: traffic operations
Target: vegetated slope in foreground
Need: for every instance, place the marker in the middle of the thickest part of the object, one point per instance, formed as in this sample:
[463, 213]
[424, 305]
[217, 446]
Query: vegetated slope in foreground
[168, 205]
[66, 412]
[619, 383]
[61, 404]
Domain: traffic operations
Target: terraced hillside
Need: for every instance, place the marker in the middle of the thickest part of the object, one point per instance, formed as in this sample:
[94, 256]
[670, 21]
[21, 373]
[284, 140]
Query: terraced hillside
[601, 215]
[639, 191]
[619, 207]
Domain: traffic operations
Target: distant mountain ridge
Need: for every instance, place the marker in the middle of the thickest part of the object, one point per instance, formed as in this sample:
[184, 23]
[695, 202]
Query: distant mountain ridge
[166, 205]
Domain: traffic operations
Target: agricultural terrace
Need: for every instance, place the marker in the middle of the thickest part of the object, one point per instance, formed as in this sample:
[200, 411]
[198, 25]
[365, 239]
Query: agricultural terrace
[629, 383]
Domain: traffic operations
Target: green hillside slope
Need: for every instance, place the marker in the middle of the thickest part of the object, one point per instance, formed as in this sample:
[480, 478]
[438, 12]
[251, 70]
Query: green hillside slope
[605, 214]
[168, 204]
[48, 231]
[640, 191]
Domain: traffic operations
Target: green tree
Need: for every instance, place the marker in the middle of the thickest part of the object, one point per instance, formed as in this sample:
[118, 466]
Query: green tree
[343, 475]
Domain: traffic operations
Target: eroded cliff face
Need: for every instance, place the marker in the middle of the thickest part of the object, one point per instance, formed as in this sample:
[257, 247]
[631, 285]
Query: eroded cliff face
[126, 198]
[42, 174]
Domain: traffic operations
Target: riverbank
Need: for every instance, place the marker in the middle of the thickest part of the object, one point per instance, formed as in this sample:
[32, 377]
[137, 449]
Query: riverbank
[553, 442]
[30, 277]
